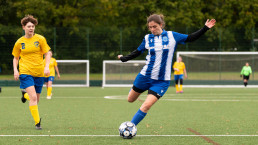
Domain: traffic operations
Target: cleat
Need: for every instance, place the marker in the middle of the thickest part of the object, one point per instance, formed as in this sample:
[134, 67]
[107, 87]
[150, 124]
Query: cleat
[49, 97]
[22, 98]
[181, 91]
[177, 92]
[37, 126]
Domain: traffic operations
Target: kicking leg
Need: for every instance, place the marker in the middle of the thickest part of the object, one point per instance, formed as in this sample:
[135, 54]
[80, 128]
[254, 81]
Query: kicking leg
[142, 112]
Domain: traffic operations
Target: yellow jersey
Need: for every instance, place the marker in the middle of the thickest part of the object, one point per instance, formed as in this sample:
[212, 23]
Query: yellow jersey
[180, 66]
[52, 65]
[30, 51]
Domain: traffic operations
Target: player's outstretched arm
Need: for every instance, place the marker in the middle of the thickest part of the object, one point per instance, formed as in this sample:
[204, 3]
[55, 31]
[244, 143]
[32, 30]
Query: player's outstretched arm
[119, 56]
[196, 35]
[133, 55]
[210, 23]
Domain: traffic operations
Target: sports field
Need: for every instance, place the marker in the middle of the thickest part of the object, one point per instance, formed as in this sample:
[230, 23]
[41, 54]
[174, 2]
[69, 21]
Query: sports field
[92, 116]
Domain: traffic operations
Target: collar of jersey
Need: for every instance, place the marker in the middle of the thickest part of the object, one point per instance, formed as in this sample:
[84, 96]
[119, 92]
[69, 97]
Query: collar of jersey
[164, 32]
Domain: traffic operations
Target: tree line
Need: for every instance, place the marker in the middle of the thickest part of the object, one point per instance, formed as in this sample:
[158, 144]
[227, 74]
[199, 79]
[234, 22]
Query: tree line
[100, 29]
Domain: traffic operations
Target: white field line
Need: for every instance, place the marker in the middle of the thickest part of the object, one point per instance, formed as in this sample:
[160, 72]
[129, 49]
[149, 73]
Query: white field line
[188, 97]
[193, 100]
[203, 100]
[177, 97]
[185, 94]
[118, 135]
[199, 99]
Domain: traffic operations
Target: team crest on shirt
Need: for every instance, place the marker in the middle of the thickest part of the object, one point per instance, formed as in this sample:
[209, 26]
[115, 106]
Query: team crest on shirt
[36, 43]
[165, 39]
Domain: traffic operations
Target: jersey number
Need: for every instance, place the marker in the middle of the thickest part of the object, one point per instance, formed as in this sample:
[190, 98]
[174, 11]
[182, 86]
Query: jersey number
[23, 45]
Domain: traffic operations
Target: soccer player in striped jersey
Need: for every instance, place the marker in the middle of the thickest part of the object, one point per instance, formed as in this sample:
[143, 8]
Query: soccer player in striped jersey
[49, 79]
[155, 75]
[179, 71]
[28, 52]
[246, 72]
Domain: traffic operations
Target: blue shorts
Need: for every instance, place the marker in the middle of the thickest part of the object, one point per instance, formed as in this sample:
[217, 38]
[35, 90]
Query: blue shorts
[156, 87]
[178, 77]
[28, 80]
[50, 78]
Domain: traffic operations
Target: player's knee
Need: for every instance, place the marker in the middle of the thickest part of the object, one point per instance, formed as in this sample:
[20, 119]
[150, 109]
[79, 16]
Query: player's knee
[130, 100]
[33, 98]
[145, 107]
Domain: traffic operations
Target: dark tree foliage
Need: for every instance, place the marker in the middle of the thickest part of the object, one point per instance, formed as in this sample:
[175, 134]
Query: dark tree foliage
[100, 29]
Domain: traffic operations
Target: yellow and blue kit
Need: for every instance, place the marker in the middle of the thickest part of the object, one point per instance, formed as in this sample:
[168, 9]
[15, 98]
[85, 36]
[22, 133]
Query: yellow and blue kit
[31, 66]
[52, 66]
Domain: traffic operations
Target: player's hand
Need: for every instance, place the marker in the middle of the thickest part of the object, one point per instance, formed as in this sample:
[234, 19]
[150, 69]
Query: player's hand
[185, 76]
[58, 76]
[119, 56]
[16, 75]
[46, 71]
[241, 76]
[210, 23]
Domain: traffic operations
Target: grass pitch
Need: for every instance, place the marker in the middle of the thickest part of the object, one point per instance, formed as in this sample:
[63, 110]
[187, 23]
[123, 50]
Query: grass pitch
[93, 115]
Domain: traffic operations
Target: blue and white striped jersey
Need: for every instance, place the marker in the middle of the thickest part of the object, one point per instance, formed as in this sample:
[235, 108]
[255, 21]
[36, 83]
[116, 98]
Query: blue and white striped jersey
[160, 53]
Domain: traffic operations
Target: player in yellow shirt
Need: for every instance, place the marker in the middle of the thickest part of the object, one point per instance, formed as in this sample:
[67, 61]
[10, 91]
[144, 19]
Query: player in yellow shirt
[179, 71]
[28, 52]
[49, 79]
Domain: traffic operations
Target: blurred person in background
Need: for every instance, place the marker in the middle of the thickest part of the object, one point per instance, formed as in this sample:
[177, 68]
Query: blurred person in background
[179, 71]
[49, 79]
[245, 73]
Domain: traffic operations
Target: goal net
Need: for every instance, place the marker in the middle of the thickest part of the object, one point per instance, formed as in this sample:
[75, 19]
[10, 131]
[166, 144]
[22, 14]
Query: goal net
[74, 73]
[218, 69]
[120, 74]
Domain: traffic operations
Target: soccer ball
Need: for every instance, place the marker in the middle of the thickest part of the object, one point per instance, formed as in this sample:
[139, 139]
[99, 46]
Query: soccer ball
[127, 130]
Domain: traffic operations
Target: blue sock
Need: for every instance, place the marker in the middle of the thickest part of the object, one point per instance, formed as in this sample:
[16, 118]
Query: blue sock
[139, 115]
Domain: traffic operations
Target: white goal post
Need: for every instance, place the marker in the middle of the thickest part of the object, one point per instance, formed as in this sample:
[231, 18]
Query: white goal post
[74, 73]
[204, 69]
[120, 74]
[218, 69]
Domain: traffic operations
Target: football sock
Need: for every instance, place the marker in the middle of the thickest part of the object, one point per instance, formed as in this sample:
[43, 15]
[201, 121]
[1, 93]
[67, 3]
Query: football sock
[35, 113]
[138, 117]
[26, 96]
[245, 84]
[177, 89]
[49, 90]
[181, 87]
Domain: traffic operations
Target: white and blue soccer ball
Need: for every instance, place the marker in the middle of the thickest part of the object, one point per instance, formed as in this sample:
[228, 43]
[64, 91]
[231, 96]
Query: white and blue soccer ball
[127, 130]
